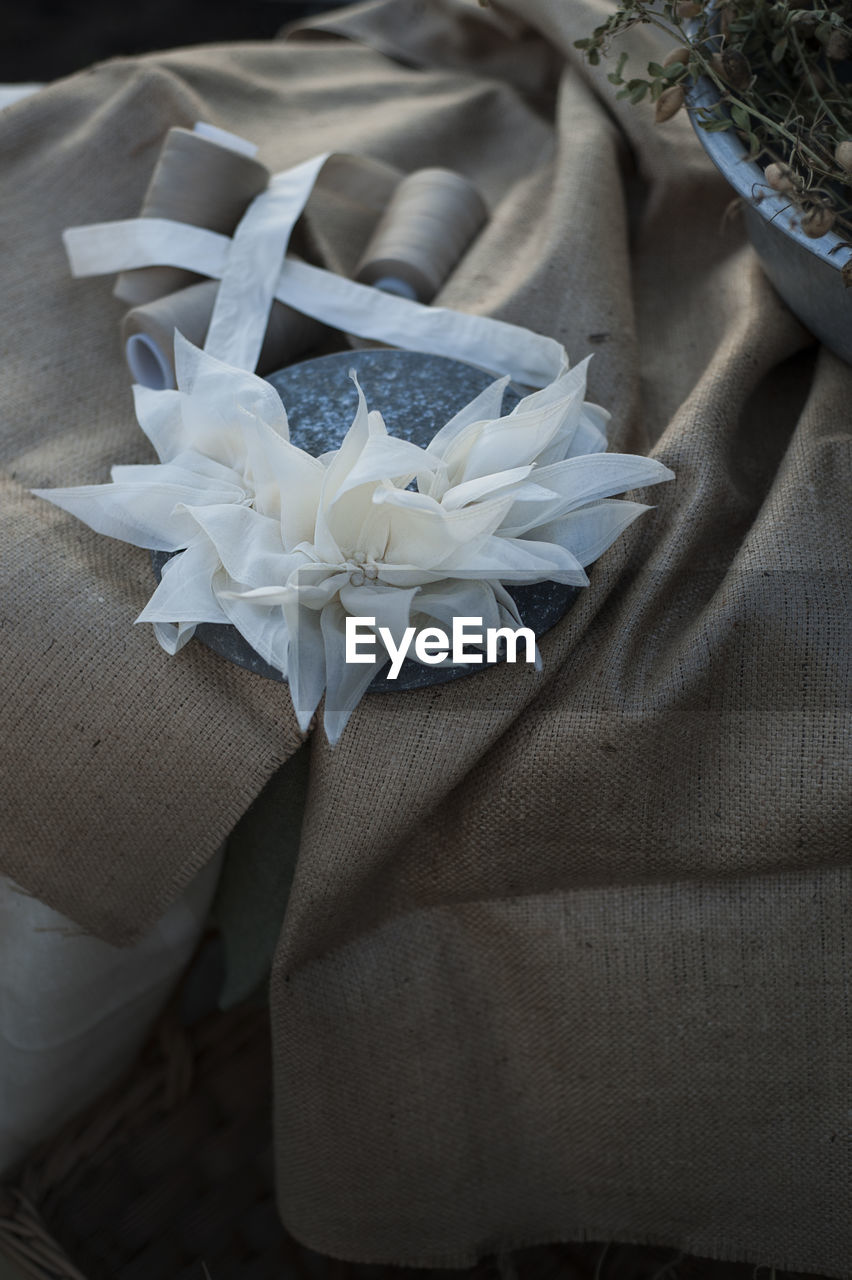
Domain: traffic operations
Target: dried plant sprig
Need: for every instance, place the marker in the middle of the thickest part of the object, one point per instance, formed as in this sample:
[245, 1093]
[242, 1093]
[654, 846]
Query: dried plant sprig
[784, 75]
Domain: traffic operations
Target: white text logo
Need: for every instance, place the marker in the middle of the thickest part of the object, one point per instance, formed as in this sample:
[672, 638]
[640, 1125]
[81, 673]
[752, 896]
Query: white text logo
[432, 645]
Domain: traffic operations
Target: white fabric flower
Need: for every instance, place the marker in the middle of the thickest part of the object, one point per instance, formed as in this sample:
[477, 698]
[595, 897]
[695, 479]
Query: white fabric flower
[284, 545]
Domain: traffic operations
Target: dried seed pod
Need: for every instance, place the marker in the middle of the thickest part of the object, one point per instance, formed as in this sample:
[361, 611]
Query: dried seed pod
[839, 46]
[779, 177]
[735, 68]
[818, 220]
[678, 55]
[843, 155]
[688, 9]
[669, 103]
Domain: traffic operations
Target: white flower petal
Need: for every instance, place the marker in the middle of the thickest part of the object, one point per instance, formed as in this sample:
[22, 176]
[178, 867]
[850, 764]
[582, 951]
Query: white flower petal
[290, 486]
[385, 458]
[483, 408]
[508, 442]
[305, 661]
[437, 605]
[356, 525]
[587, 435]
[217, 388]
[587, 532]
[280, 476]
[426, 538]
[577, 435]
[348, 518]
[159, 414]
[263, 627]
[581, 480]
[200, 464]
[314, 593]
[453, 442]
[173, 636]
[314, 585]
[406, 499]
[222, 484]
[185, 591]
[482, 486]
[248, 544]
[518, 560]
[146, 515]
[350, 449]
[509, 615]
[347, 682]
[565, 388]
[402, 575]
[376, 423]
[583, 427]
[264, 595]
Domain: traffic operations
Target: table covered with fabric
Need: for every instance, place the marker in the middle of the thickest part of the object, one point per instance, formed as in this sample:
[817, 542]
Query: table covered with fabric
[565, 951]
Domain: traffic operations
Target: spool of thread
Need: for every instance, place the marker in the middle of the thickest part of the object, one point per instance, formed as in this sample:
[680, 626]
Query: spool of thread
[200, 178]
[148, 333]
[430, 221]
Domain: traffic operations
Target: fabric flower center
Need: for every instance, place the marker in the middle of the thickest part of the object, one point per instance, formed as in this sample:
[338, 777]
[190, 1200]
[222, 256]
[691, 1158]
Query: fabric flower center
[361, 568]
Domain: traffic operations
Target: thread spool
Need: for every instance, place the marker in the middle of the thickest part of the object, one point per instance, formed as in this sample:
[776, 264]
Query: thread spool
[200, 178]
[429, 223]
[148, 333]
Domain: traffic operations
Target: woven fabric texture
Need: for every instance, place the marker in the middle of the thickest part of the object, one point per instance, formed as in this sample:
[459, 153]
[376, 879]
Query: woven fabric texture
[170, 1176]
[564, 955]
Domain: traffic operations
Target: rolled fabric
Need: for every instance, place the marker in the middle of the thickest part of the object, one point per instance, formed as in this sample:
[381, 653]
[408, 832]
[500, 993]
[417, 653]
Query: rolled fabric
[430, 221]
[148, 333]
[200, 180]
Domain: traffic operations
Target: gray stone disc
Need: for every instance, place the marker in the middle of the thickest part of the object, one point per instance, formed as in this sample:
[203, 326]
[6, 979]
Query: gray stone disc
[416, 394]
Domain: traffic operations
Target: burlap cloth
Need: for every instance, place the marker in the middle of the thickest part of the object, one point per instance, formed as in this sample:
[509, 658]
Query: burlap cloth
[565, 952]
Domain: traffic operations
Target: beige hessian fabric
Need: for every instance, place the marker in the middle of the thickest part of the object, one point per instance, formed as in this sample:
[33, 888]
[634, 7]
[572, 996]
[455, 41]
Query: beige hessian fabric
[566, 953]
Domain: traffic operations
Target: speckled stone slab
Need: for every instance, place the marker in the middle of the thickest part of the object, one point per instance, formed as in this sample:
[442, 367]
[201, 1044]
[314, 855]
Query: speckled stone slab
[416, 394]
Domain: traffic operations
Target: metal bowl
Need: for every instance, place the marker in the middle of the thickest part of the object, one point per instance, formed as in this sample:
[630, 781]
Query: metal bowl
[805, 272]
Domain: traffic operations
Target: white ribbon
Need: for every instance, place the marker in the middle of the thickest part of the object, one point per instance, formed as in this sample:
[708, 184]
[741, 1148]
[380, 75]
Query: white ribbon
[102, 248]
[253, 271]
[241, 311]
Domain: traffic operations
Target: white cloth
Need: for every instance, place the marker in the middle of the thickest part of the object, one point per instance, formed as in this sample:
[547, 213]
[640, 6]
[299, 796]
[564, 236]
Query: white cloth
[74, 1011]
[12, 93]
